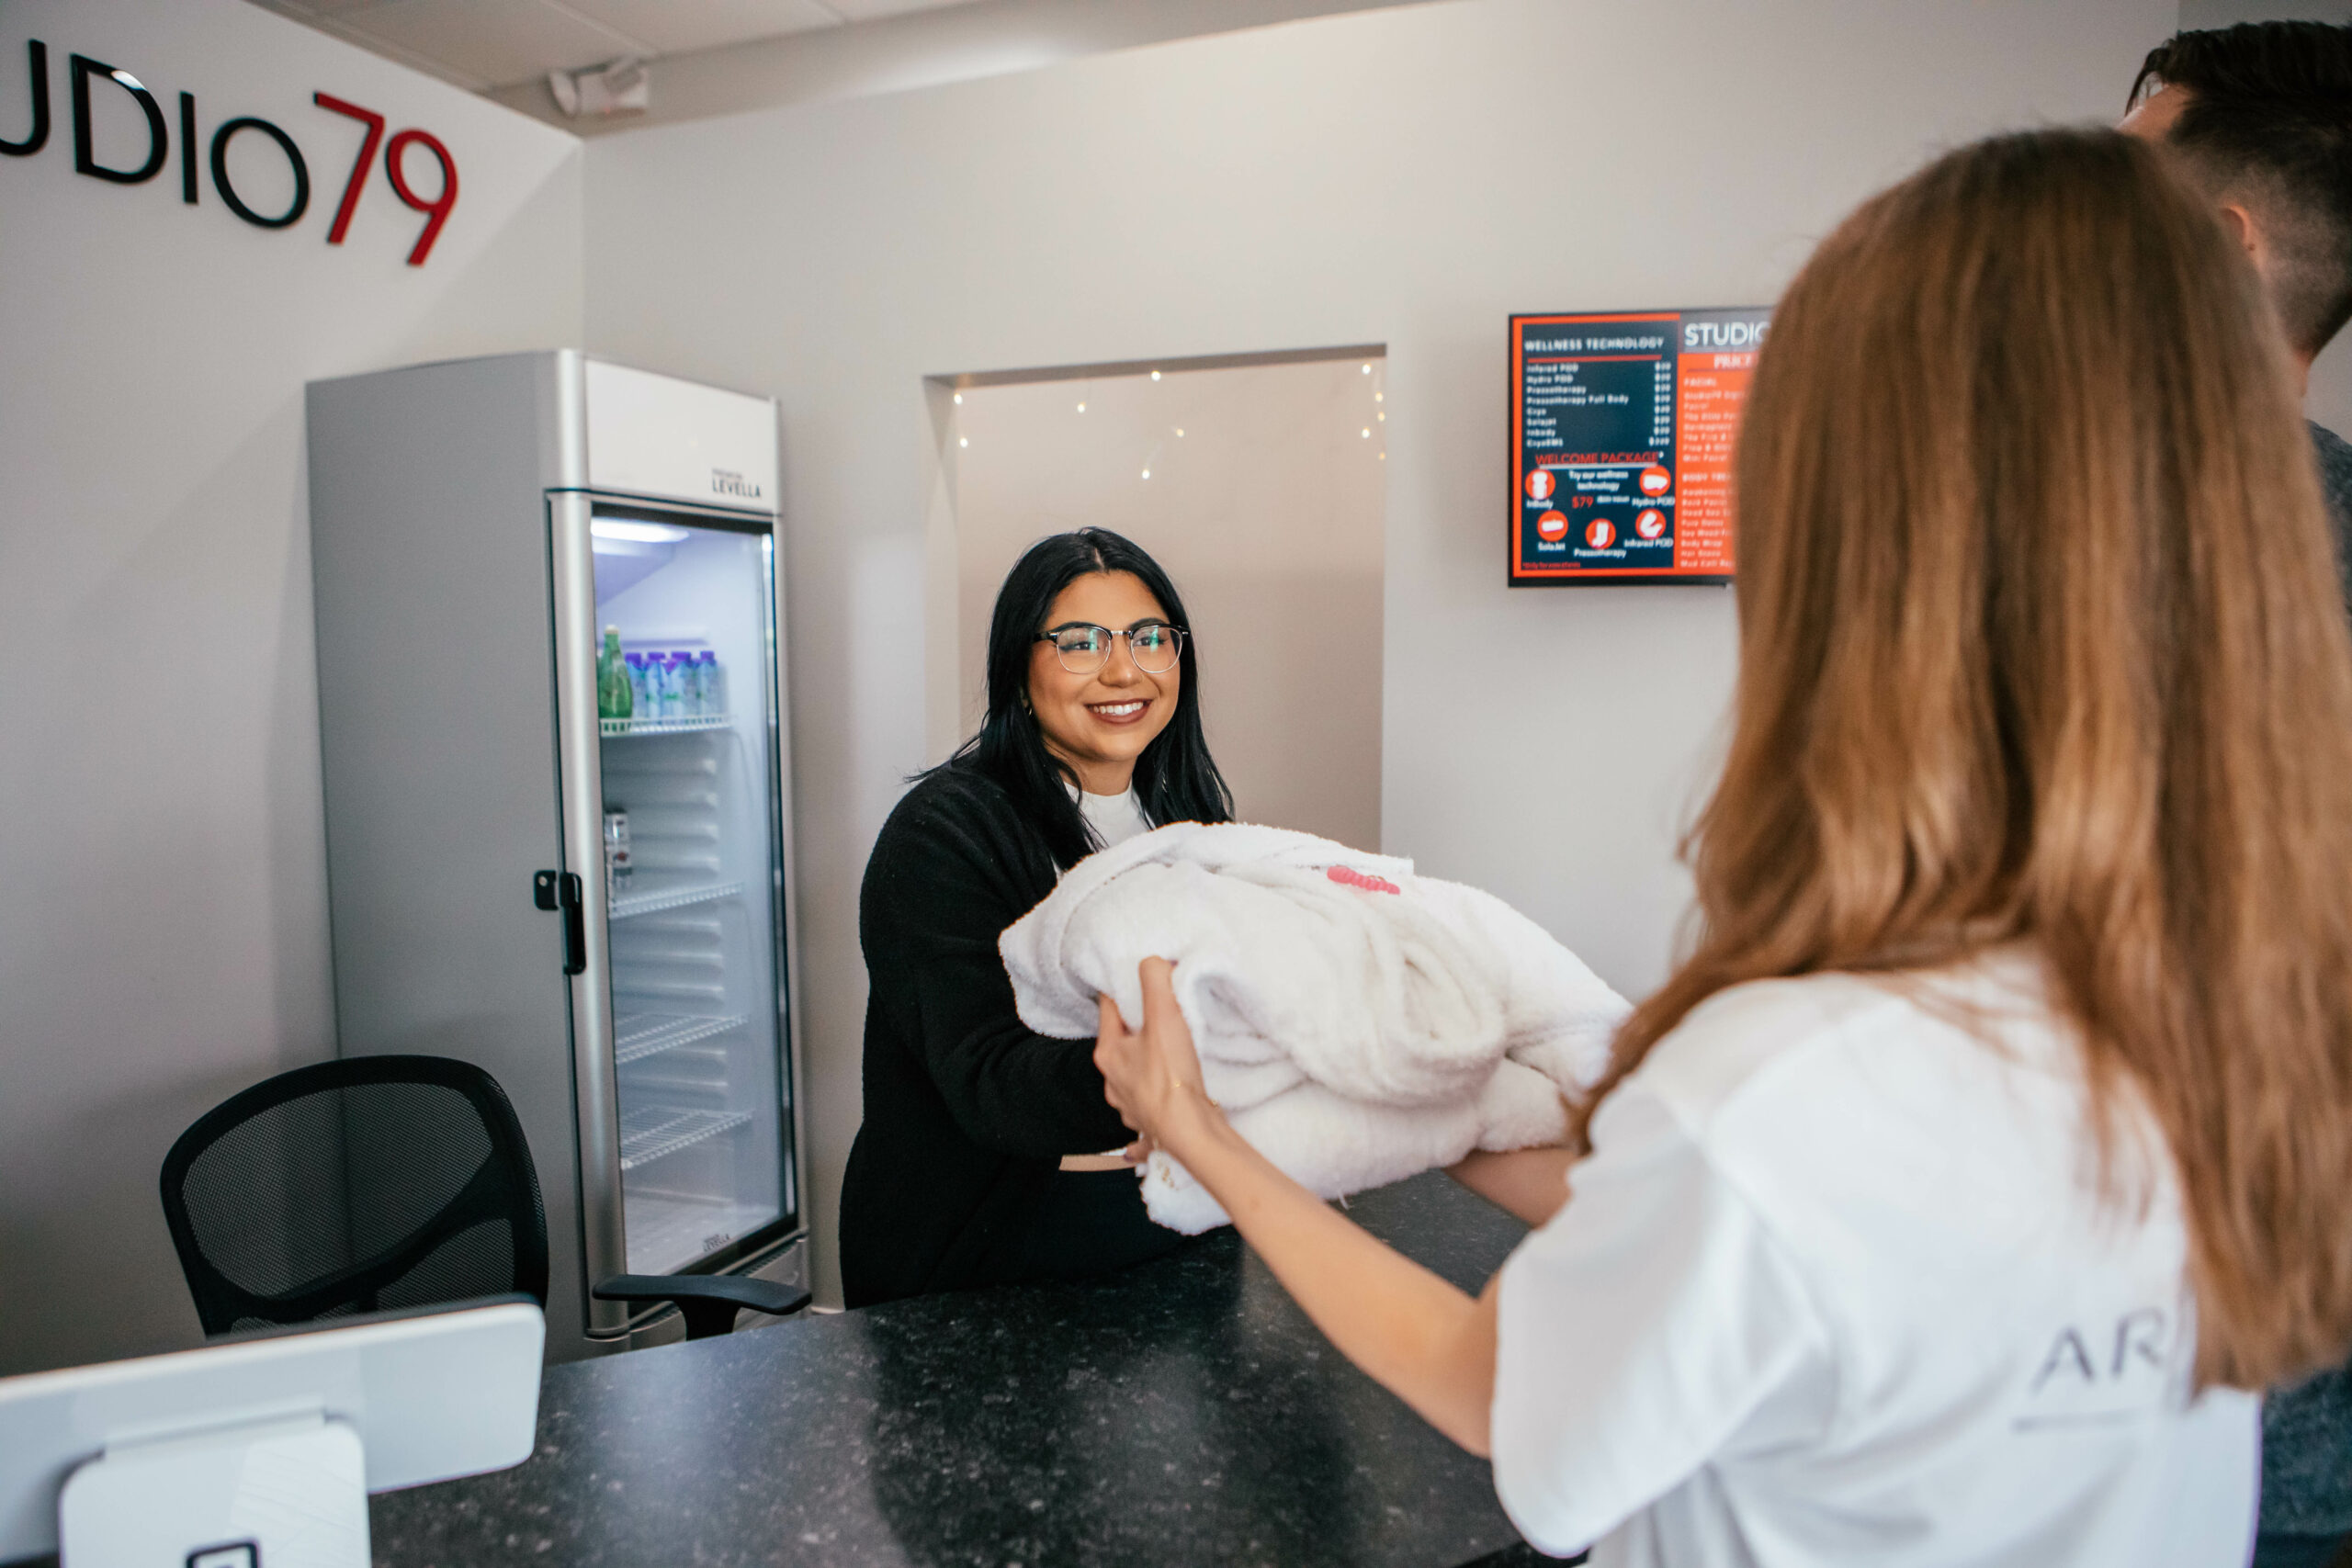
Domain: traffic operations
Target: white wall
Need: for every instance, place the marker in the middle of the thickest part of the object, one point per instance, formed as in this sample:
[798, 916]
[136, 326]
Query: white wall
[2195, 14]
[2330, 399]
[163, 913]
[1407, 177]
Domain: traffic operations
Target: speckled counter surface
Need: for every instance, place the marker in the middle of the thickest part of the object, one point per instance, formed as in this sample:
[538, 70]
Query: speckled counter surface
[1182, 1413]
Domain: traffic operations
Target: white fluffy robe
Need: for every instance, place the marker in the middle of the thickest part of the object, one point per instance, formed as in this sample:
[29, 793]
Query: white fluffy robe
[1353, 1036]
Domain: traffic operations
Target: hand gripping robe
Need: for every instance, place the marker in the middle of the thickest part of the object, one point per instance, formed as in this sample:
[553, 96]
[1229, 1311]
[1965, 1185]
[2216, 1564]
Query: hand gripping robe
[1358, 1022]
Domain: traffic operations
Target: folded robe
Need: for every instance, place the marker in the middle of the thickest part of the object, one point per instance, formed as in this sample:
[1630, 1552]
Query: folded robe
[1357, 1022]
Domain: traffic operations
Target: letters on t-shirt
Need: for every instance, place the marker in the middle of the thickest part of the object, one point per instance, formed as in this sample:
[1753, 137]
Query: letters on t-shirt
[2097, 1373]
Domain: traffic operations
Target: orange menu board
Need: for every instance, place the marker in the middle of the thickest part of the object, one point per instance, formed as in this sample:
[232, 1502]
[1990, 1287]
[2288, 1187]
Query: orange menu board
[1621, 429]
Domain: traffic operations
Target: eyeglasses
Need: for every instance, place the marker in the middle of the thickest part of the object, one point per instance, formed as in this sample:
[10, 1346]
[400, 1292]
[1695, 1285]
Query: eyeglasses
[1084, 649]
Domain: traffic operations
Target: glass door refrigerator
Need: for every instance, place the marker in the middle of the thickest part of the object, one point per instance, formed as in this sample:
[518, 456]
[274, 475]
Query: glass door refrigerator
[551, 720]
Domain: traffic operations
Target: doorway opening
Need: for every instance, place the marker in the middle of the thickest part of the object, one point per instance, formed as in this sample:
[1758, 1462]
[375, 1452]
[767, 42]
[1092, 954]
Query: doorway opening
[1257, 481]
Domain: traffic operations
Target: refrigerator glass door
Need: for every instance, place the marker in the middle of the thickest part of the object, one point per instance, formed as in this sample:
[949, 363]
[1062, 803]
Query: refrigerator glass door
[691, 883]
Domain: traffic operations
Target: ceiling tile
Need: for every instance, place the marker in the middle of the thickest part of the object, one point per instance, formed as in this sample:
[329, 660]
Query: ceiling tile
[872, 10]
[675, 26]
[498, 40]
[336, 27]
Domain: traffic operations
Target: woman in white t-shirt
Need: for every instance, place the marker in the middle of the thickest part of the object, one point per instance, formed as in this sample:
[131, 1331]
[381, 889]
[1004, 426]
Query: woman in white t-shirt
[1993, 1137]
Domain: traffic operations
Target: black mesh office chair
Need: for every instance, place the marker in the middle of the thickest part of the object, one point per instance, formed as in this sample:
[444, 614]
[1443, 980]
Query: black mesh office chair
[376, 1183]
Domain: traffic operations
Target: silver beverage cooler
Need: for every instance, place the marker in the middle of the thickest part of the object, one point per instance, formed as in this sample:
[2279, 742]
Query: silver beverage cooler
[557, 815]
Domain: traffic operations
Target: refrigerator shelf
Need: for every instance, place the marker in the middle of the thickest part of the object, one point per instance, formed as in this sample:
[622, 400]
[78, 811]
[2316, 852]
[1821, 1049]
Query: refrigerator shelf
[651, 1132]
[666, 1233]
[614, 728]
[671, 898]
[637, 1035]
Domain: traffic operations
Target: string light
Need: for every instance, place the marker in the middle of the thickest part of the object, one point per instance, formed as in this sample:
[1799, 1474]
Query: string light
[1384, 418]
[1180, 433]
[1147, 473]
[1376, 397]
[1155, 375]
[1081, 408]
[959, 397]
[963, 441]
[1367, 369]
[1367, 435]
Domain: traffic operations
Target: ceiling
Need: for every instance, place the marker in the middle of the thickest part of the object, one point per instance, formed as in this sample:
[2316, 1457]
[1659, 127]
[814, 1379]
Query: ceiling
[480, 44]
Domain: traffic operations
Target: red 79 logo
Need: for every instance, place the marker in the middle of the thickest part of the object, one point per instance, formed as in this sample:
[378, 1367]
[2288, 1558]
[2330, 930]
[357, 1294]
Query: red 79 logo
[436, 210]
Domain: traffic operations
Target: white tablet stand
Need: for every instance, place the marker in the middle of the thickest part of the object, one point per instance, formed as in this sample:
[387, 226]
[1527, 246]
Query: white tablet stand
[260, 1453]
[280, 1493]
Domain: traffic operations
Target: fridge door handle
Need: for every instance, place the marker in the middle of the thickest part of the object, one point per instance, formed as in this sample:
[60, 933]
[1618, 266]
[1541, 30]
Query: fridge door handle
[575, 923]
[554, 890]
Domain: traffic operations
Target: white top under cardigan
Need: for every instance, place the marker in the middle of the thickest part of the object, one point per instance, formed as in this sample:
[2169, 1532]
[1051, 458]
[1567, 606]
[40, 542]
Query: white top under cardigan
[1115, 819]
[1834, 1288]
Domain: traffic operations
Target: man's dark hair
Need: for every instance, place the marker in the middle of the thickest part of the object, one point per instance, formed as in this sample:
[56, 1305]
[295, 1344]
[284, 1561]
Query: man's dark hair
[2269, 125]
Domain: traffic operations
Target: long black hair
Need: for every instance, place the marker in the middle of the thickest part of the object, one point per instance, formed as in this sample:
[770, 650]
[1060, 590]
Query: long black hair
[1175, 778]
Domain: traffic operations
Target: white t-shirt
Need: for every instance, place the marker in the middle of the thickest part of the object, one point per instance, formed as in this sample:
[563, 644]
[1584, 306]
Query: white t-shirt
[1115, 819]
[1835, 1287]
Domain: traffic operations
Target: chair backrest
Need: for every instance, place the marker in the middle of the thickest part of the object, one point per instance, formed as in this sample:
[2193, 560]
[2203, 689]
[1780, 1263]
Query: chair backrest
[358, 1185]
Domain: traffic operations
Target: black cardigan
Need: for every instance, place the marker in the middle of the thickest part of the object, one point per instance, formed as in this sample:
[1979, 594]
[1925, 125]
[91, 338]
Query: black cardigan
[953, 1180]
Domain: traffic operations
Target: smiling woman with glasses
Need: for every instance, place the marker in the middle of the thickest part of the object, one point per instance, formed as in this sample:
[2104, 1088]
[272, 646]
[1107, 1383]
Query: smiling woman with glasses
[980, 1161]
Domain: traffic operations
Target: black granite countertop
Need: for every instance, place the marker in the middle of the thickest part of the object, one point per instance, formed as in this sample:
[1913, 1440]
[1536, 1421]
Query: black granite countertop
[1184, 1412]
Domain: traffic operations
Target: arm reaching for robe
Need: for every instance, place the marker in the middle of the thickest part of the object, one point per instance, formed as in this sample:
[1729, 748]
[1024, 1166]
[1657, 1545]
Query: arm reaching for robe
[1427, 1342]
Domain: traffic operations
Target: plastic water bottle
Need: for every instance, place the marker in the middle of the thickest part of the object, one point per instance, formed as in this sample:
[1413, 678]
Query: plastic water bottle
[689, 685]
[637, 694]
[714, 686]
[657, 688]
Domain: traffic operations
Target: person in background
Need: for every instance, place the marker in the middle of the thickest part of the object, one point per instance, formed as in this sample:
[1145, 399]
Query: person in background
[2260, 117]
[982, 1158]
[1993, 1136]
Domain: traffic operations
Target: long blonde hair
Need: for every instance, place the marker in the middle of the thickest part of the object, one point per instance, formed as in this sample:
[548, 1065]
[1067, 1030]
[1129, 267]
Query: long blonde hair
[2040, 640]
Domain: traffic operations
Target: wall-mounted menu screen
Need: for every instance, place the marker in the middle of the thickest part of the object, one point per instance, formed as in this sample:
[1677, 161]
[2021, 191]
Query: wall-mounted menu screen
[1621, 442]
